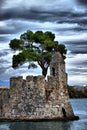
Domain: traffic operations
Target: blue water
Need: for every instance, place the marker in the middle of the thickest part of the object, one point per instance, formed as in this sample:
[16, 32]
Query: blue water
[79, 107]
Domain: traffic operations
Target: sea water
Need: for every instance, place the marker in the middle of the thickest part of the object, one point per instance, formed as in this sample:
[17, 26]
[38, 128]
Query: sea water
[79, 107]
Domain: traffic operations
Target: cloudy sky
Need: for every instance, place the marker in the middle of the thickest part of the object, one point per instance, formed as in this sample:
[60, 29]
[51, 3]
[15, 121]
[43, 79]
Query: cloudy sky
[66, 18]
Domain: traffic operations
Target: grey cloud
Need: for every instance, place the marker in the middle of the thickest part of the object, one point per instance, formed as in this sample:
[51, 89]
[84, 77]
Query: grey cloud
[8, 30]
[3, 69]
[12, 27]
[35, 14]
[21, 14]
[78, 68]
[74, 17]
[77, 47]
[4, 62]
[2, 2]
[4, 75]
[40, 13]
[4, 38]
[83, 2]
[81, 65]
[4, 52]
[77, 71]
[70, 30]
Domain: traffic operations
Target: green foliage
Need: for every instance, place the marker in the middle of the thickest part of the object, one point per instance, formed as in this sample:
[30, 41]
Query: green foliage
[16, 44]
[62, 49]
[49, 36]
[18, 60]
[50, 45]
[27, 38]
[48, 57]
[75, 92]
[39, 37]
[30, 55]
[36, 47]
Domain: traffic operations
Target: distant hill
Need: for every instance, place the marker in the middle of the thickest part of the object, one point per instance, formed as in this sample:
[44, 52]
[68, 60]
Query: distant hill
[77, 92]
[4, 87]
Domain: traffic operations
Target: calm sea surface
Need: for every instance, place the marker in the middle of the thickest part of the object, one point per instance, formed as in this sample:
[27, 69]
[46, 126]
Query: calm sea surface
[79, 107]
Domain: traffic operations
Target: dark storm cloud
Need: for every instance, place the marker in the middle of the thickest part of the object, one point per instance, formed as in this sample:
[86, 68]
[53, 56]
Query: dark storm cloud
[83, 2]
[79, 18]
[77, 47]
[73, 29]
[33, 13]
[2, 2]
[42, 15]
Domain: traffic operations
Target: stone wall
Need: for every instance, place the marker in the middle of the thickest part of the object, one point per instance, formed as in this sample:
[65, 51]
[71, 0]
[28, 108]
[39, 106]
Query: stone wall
[4, 101]
[36, 98]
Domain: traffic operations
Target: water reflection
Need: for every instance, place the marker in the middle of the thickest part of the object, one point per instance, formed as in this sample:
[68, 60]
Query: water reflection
[4, 126]
[36, 126]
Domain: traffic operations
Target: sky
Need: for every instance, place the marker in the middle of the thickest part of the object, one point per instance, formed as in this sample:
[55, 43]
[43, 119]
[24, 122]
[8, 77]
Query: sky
[66, 18]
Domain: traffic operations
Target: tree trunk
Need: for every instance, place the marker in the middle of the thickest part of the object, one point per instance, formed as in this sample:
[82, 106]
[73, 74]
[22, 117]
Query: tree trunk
[44, 71]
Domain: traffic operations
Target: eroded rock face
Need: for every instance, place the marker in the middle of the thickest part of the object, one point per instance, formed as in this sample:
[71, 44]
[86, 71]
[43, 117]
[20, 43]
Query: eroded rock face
[35, 98]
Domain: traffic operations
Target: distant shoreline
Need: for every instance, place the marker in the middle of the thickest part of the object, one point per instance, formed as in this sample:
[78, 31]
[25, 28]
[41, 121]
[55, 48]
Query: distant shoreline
[76, 92]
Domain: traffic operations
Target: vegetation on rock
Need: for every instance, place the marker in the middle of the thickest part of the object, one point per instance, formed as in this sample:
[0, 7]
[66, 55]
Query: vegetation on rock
[76, 92]
[36, 48]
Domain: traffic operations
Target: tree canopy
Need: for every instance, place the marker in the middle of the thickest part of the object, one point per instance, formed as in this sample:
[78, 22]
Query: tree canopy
[36, 47]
